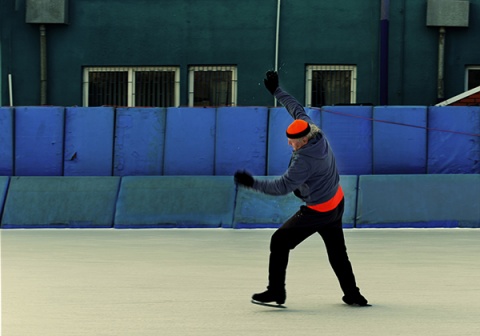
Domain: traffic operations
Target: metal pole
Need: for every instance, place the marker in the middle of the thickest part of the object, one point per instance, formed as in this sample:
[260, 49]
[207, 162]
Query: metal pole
[277, 38]
[384, 25]
[43, 65]
[441, 61]
[10, 89]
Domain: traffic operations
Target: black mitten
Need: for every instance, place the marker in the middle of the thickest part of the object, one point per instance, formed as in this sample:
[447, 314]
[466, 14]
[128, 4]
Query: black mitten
[243, 178]
[271, 81]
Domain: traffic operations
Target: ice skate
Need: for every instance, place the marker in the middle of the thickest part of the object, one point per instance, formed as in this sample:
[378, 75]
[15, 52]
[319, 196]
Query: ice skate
[270, 298]
[356, 300]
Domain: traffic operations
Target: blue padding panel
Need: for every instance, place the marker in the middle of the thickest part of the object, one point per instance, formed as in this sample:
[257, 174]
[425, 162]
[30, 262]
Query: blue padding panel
[190, 141]
[139, 141]
[39, 141]
[454, 153]
[175, 201]
[419, 201]
[279, 152]
[349, 130]
[257, 210]
[6, 141]
[60, 202]
[397, 148]
[3, 192]
[89, 141]
[241, 141]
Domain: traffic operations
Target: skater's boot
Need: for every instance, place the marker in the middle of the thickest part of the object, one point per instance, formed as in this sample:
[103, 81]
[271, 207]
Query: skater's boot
[271, 295]
[355, 299]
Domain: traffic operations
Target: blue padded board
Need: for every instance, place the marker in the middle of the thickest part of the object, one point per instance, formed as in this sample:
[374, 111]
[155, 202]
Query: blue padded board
[279, 152]
[192, 153]
[60, 202]
[241, 141]
[454, 153]
[419, 201]
[175, 201]
[257, 210]
[39, 141]
[6, 141]
[3, 192]
[349, 130]
[89, 141]
[397, 148]
[139, 141]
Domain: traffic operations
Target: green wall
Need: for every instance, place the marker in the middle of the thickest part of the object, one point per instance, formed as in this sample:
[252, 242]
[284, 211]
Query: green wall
[242, 33]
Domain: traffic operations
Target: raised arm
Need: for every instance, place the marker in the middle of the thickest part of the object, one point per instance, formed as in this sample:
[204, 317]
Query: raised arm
[292, 105]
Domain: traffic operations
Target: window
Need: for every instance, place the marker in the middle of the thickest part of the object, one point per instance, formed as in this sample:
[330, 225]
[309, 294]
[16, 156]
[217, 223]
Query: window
[331, 85]
[472, 77]
[212, 86]
[139, 86]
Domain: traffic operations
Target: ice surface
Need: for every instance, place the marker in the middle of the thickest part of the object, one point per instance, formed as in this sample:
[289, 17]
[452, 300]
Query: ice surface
[199, 282]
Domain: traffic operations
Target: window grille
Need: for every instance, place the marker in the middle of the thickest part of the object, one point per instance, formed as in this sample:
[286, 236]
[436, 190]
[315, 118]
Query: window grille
[472, 77]
[212, 86]
[330, 85]
[138, 86]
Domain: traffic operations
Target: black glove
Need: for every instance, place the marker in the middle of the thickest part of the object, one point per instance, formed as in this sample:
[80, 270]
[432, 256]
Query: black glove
[243, 178]
[271, 81]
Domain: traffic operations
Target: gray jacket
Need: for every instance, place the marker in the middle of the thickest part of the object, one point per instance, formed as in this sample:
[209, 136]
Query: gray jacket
[312, 173]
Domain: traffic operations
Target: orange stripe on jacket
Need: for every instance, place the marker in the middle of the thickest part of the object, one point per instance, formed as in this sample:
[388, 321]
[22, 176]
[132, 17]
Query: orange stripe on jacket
[331, 204]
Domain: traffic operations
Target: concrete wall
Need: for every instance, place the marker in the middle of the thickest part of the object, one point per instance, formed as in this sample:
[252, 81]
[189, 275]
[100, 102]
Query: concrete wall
[242, 33]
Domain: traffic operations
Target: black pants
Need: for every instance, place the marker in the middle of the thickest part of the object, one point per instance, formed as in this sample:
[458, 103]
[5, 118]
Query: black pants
[299, 227]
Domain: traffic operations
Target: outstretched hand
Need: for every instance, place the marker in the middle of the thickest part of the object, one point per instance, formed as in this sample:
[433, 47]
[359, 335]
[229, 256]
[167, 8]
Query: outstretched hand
[271, 81]
[243, 178]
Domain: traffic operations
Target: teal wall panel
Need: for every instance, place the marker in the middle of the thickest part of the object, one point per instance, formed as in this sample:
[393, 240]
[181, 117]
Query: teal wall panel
[4, 181]
[60, 202]
[6, 141]
[419, 201]
[175, 201]
[254, 209]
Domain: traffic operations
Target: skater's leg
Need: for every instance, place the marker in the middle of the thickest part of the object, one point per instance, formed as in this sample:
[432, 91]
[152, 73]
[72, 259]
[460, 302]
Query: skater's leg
[338, 257]
[286, 238]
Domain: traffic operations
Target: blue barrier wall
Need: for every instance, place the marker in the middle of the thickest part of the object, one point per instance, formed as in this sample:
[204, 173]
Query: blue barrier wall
[89, 141]
[39, 141]
[456, 151]
[6, 141]
[349, 131]
[241, 141]
[190, 141]
[139, 141]
[101, 141]
[397, 148]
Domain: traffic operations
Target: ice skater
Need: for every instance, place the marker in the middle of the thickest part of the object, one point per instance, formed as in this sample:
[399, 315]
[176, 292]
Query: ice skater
[312, 176]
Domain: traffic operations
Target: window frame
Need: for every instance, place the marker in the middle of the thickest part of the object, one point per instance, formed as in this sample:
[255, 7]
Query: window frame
[467, 72]
[191, 80]
[131, 88]
[330, 67]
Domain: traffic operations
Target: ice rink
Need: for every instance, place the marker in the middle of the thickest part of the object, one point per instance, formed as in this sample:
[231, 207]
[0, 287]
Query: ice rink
[421, 282]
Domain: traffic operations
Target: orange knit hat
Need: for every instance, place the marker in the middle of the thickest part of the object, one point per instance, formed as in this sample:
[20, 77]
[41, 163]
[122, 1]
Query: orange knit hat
[298, 129]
